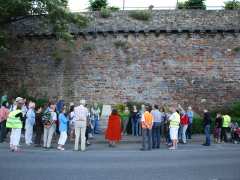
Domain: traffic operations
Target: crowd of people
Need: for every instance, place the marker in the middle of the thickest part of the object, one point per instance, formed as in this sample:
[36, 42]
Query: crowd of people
[79, 122]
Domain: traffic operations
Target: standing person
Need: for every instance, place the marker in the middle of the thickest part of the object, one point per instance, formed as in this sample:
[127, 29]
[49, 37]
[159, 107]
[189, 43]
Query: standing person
[142, 111]
[30, 121]
[156, 129]
[113, 131]
[63, 120]
[190, 117]
[3, 118]
[50, 119]
[135, 118]
[184, 121]
[206, 125]
[38, 127]
[174, 121]
[147, 123]
[225, 127]
[165, 117]
[71, 121]
[95, 116]
[217, 128]
[81, 114]
[14, 122]
[125, 115]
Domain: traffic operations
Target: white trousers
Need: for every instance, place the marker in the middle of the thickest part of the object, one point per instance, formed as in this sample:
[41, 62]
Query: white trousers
[15, 137]
[184, 129]
[62, 138]
[80, 130]
[28, 133]
[47, 135]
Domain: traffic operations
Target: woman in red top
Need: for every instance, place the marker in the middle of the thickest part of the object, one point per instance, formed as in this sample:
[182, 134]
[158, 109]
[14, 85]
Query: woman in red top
[184, 125]
[113, 131]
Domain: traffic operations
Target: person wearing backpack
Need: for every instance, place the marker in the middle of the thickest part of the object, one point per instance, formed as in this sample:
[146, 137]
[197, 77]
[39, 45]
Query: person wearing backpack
[14, 122]
[50, 119]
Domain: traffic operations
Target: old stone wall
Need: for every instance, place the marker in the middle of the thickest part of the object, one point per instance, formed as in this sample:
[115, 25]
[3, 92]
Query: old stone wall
[190, 68]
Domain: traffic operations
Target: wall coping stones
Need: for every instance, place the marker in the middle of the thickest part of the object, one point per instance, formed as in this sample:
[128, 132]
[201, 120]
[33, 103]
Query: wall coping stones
[162, 21]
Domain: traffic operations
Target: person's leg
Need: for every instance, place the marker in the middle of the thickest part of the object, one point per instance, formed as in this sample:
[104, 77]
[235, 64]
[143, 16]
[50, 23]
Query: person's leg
[132, 125]
[16, 138]
[83, 138]
[207, 133]
[158, 136]
[125, 124]
[144, 134]
[45, 136]
[154, 138]
[96, 125]
[184, 129]
[135, 128]
[2, 131]
[50, 135]
[149, 136]
[11, 138]
[77, 136]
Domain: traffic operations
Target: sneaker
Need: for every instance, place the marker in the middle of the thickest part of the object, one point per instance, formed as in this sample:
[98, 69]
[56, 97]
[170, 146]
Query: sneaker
[172, 148]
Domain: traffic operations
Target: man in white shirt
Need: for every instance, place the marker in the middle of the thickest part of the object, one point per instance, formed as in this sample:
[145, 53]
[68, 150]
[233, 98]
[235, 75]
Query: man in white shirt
[81, 113]
[156, 130]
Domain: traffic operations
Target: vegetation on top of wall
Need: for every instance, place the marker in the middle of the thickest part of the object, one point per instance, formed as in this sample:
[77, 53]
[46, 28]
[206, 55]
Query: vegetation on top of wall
[142, 15]
[192, 4]
[236, 49]
[114, 8]
[232, 5]
[55, 12]
[105, 12]
[97, 5]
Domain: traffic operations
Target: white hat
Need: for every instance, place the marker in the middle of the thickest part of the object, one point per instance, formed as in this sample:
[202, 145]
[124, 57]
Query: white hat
[83, 101]
[71, 104]
[19, 100]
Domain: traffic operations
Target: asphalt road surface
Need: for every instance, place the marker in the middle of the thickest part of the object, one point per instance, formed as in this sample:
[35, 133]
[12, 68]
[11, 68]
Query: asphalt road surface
[125, 162]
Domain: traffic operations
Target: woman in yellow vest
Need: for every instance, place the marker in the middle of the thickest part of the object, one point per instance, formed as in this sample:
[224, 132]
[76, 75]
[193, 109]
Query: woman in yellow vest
[225, 127]
[174, 120]
[14, 122]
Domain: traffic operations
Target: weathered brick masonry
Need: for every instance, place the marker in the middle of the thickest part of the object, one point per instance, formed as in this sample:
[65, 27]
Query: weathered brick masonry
[188, 57]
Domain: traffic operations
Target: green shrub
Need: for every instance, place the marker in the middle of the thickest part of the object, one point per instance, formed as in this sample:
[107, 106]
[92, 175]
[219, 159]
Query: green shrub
[144, 15]
[232, 5]
[192, 4]
[114, 8]
[105, 12]
[181, 5]
[97, 5]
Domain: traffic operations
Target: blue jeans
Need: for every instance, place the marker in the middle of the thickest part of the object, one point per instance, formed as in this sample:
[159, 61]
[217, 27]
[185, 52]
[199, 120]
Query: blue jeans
[207, 134]
[156, 133]
[95, 124]
[134, 127]
[146, 139]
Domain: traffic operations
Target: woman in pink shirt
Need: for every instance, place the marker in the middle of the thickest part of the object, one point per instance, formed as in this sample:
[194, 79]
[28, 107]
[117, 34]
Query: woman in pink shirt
[3, 117]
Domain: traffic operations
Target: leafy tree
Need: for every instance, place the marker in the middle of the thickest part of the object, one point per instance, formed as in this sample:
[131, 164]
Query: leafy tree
[54, 12]
[97, 5]
[192, 4]
[232, 5]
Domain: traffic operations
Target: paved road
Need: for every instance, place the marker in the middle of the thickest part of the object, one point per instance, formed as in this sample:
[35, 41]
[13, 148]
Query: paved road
[126, 162]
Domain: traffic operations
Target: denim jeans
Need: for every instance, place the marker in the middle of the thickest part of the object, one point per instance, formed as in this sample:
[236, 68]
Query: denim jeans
[207, 134]
[3, 131]
[134, 128]
[147, 138]
[95, 123]
[156, 133]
